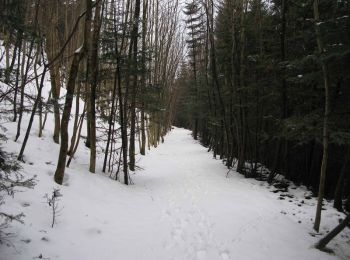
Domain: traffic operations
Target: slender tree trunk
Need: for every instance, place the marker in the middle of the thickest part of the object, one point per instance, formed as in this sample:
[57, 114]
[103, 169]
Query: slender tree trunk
[110, 123]
[76, 144]
[93, 84]
[37, 58]
[61, 164]
[55, 86]
[38, 99]
[88, 42]
[338, 194]
[281, 143]
[23, 83]
[76, 122]
[143, 77]
[9, 69]
[25, 75]
[226, 131]
[52, 46]
[325, 119]
[17, 81]
[122, 115]
[46, 112]
[134, 86]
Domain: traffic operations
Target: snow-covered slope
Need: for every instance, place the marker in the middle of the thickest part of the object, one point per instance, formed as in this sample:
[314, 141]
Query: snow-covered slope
[181, 207]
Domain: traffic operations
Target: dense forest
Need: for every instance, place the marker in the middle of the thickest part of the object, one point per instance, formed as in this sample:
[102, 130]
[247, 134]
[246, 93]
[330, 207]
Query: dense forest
[264, 85]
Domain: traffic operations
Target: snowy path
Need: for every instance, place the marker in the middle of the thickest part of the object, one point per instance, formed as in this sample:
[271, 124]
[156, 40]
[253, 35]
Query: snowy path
[212, 217]
[181, 208]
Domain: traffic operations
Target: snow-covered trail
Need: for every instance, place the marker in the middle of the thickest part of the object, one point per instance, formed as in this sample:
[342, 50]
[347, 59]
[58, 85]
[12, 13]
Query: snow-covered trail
[182, 207]
[211, 217]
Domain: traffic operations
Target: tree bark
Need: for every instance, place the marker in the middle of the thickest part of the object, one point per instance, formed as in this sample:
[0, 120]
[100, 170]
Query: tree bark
[93, 84]
[17, 81]
[325, 119]
[61, 164]
[143, 78]
[134, 86]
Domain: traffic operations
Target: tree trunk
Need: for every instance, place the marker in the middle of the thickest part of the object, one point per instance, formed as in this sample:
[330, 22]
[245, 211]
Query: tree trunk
[110, 123]
[338, 194]
[76, 122]
[143, 77]
[61, 164]
[325, 119]
[134, 86]
[16, 85]
[93, 84]
[324, 241]
[23, 84]
[76, 144]
[55, 86]
[122, 116]
[37, 100]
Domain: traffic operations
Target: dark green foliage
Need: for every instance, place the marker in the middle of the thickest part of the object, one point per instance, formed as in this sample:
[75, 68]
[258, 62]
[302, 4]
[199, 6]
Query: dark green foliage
[272, 87]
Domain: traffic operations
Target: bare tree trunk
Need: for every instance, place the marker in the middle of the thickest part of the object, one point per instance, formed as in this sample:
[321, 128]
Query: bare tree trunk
[61, 164]
[76, 122]
[37, 58]
[110, 123]
[93, 84]
[87, 41]
[134, 86]
[23, 83]
[216, 83]
[143, 77]
[325, 119]
[76, 144]
[55, 86]
[9, 69]
[324, 241]
[281, 142]
[45, 116]
[17, 81]
[52, 46]
[38, 99]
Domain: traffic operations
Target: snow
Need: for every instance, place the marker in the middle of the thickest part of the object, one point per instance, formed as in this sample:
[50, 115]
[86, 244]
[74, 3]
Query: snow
[181, 206]
[79, 49]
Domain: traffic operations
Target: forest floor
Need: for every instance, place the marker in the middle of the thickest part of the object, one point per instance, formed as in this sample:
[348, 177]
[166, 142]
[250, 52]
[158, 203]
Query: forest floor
[181, 206]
